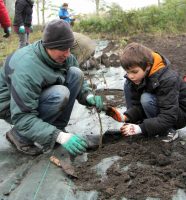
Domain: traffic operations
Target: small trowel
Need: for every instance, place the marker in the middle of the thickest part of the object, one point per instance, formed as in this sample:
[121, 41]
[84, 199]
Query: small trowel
[67, 168]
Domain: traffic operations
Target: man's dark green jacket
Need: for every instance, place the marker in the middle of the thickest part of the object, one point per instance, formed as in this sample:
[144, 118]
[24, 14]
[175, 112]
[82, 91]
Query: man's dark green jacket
[25, 74]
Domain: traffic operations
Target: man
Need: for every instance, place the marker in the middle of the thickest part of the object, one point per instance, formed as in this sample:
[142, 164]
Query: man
[5, 20]
[23, 20]
[39, 85]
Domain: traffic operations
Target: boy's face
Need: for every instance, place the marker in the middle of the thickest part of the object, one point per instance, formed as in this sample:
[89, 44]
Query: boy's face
[136, 74]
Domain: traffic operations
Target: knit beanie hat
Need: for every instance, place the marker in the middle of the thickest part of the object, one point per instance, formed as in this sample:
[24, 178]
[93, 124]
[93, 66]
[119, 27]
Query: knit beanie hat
[57, 34]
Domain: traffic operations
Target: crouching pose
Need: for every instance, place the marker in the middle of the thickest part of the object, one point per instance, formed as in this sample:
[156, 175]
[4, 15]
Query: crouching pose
[155, 94]
[39, 85]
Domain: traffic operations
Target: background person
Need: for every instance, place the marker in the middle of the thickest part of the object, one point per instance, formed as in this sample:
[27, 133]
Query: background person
[5, 19]
[39, 90]
[23, 20]
[64, 14]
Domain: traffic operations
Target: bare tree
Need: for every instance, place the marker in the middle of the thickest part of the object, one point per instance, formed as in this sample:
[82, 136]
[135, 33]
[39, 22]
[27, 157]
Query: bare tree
[10, 5]
[97, 6]
[43, 12]
[159, 3]
[38, 11]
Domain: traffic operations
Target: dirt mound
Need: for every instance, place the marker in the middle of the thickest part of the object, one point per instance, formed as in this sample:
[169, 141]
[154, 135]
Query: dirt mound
[146, 168]
[172, 47]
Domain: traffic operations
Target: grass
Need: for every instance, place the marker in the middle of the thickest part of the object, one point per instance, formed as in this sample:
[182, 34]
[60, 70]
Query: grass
[9, 45]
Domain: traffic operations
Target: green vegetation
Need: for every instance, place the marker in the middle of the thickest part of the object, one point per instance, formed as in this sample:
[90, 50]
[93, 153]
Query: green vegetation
[115, 23]
[7, 46]
[169, 17]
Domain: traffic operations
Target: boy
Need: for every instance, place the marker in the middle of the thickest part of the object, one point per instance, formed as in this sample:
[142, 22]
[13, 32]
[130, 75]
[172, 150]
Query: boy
[155, 94]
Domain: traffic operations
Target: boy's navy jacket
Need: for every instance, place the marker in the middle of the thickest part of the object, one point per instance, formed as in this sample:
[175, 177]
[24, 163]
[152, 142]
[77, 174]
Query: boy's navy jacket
[170, 91]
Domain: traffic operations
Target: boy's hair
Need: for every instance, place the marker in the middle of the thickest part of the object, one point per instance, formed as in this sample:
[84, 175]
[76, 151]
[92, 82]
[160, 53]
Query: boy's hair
[135, 54]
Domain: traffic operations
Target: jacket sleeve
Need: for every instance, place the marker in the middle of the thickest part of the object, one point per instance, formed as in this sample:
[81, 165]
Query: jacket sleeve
[168, 102]
[24, 102]
[4, 17]
[134, 113]
[85, 89]
[19, 9]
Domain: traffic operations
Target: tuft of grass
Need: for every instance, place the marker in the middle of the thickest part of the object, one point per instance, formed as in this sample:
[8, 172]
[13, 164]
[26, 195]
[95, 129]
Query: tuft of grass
[9, 45]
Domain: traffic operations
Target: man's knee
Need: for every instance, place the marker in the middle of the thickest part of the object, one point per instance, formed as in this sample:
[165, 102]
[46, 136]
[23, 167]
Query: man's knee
[61, 94]
[58, 94]
[75, 71]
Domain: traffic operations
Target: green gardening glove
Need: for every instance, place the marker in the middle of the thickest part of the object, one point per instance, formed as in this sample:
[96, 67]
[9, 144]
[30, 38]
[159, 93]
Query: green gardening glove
[95, 101]
[72, 143]
[22, 29]
[31, 29]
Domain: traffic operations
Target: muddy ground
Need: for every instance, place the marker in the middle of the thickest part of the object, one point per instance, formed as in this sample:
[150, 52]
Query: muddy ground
[147, 167]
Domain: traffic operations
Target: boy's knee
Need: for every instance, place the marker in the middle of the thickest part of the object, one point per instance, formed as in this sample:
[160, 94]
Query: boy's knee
[146, 99]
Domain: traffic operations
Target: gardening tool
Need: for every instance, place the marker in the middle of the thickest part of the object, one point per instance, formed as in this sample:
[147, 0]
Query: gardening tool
[114, 113]
[67, 168]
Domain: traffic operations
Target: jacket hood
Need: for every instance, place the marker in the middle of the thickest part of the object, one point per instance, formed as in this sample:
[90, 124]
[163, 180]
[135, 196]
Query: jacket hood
[42, 54]
[157, 65]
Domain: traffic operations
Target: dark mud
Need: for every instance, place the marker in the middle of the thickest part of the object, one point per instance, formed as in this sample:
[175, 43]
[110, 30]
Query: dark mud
[147, 168]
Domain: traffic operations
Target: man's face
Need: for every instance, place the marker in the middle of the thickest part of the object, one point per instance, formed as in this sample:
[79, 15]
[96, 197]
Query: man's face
[58, 56]
[136, 74]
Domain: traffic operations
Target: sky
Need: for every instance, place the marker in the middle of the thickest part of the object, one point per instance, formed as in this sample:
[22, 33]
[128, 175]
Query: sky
[88, 6]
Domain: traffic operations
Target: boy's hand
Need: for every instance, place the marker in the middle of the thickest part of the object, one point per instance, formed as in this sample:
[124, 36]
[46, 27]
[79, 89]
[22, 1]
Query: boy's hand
[130, 129]
[115, 114]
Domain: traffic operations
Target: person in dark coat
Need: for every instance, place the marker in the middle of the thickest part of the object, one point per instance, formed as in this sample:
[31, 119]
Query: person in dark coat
[155, 94]
[5, 19]
[23, 20]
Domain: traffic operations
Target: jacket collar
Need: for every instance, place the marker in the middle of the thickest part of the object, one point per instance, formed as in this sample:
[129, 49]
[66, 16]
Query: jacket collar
[42, 54]
[160, 65]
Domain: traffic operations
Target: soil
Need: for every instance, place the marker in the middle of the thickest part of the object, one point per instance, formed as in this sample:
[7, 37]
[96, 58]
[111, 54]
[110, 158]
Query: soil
[155, 168]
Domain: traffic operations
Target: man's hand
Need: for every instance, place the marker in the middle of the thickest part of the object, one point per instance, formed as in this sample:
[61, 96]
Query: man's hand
[115, 114]
[72, 143]
[130, 129]
[22, 29]
[95, 101]
[7, 32]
